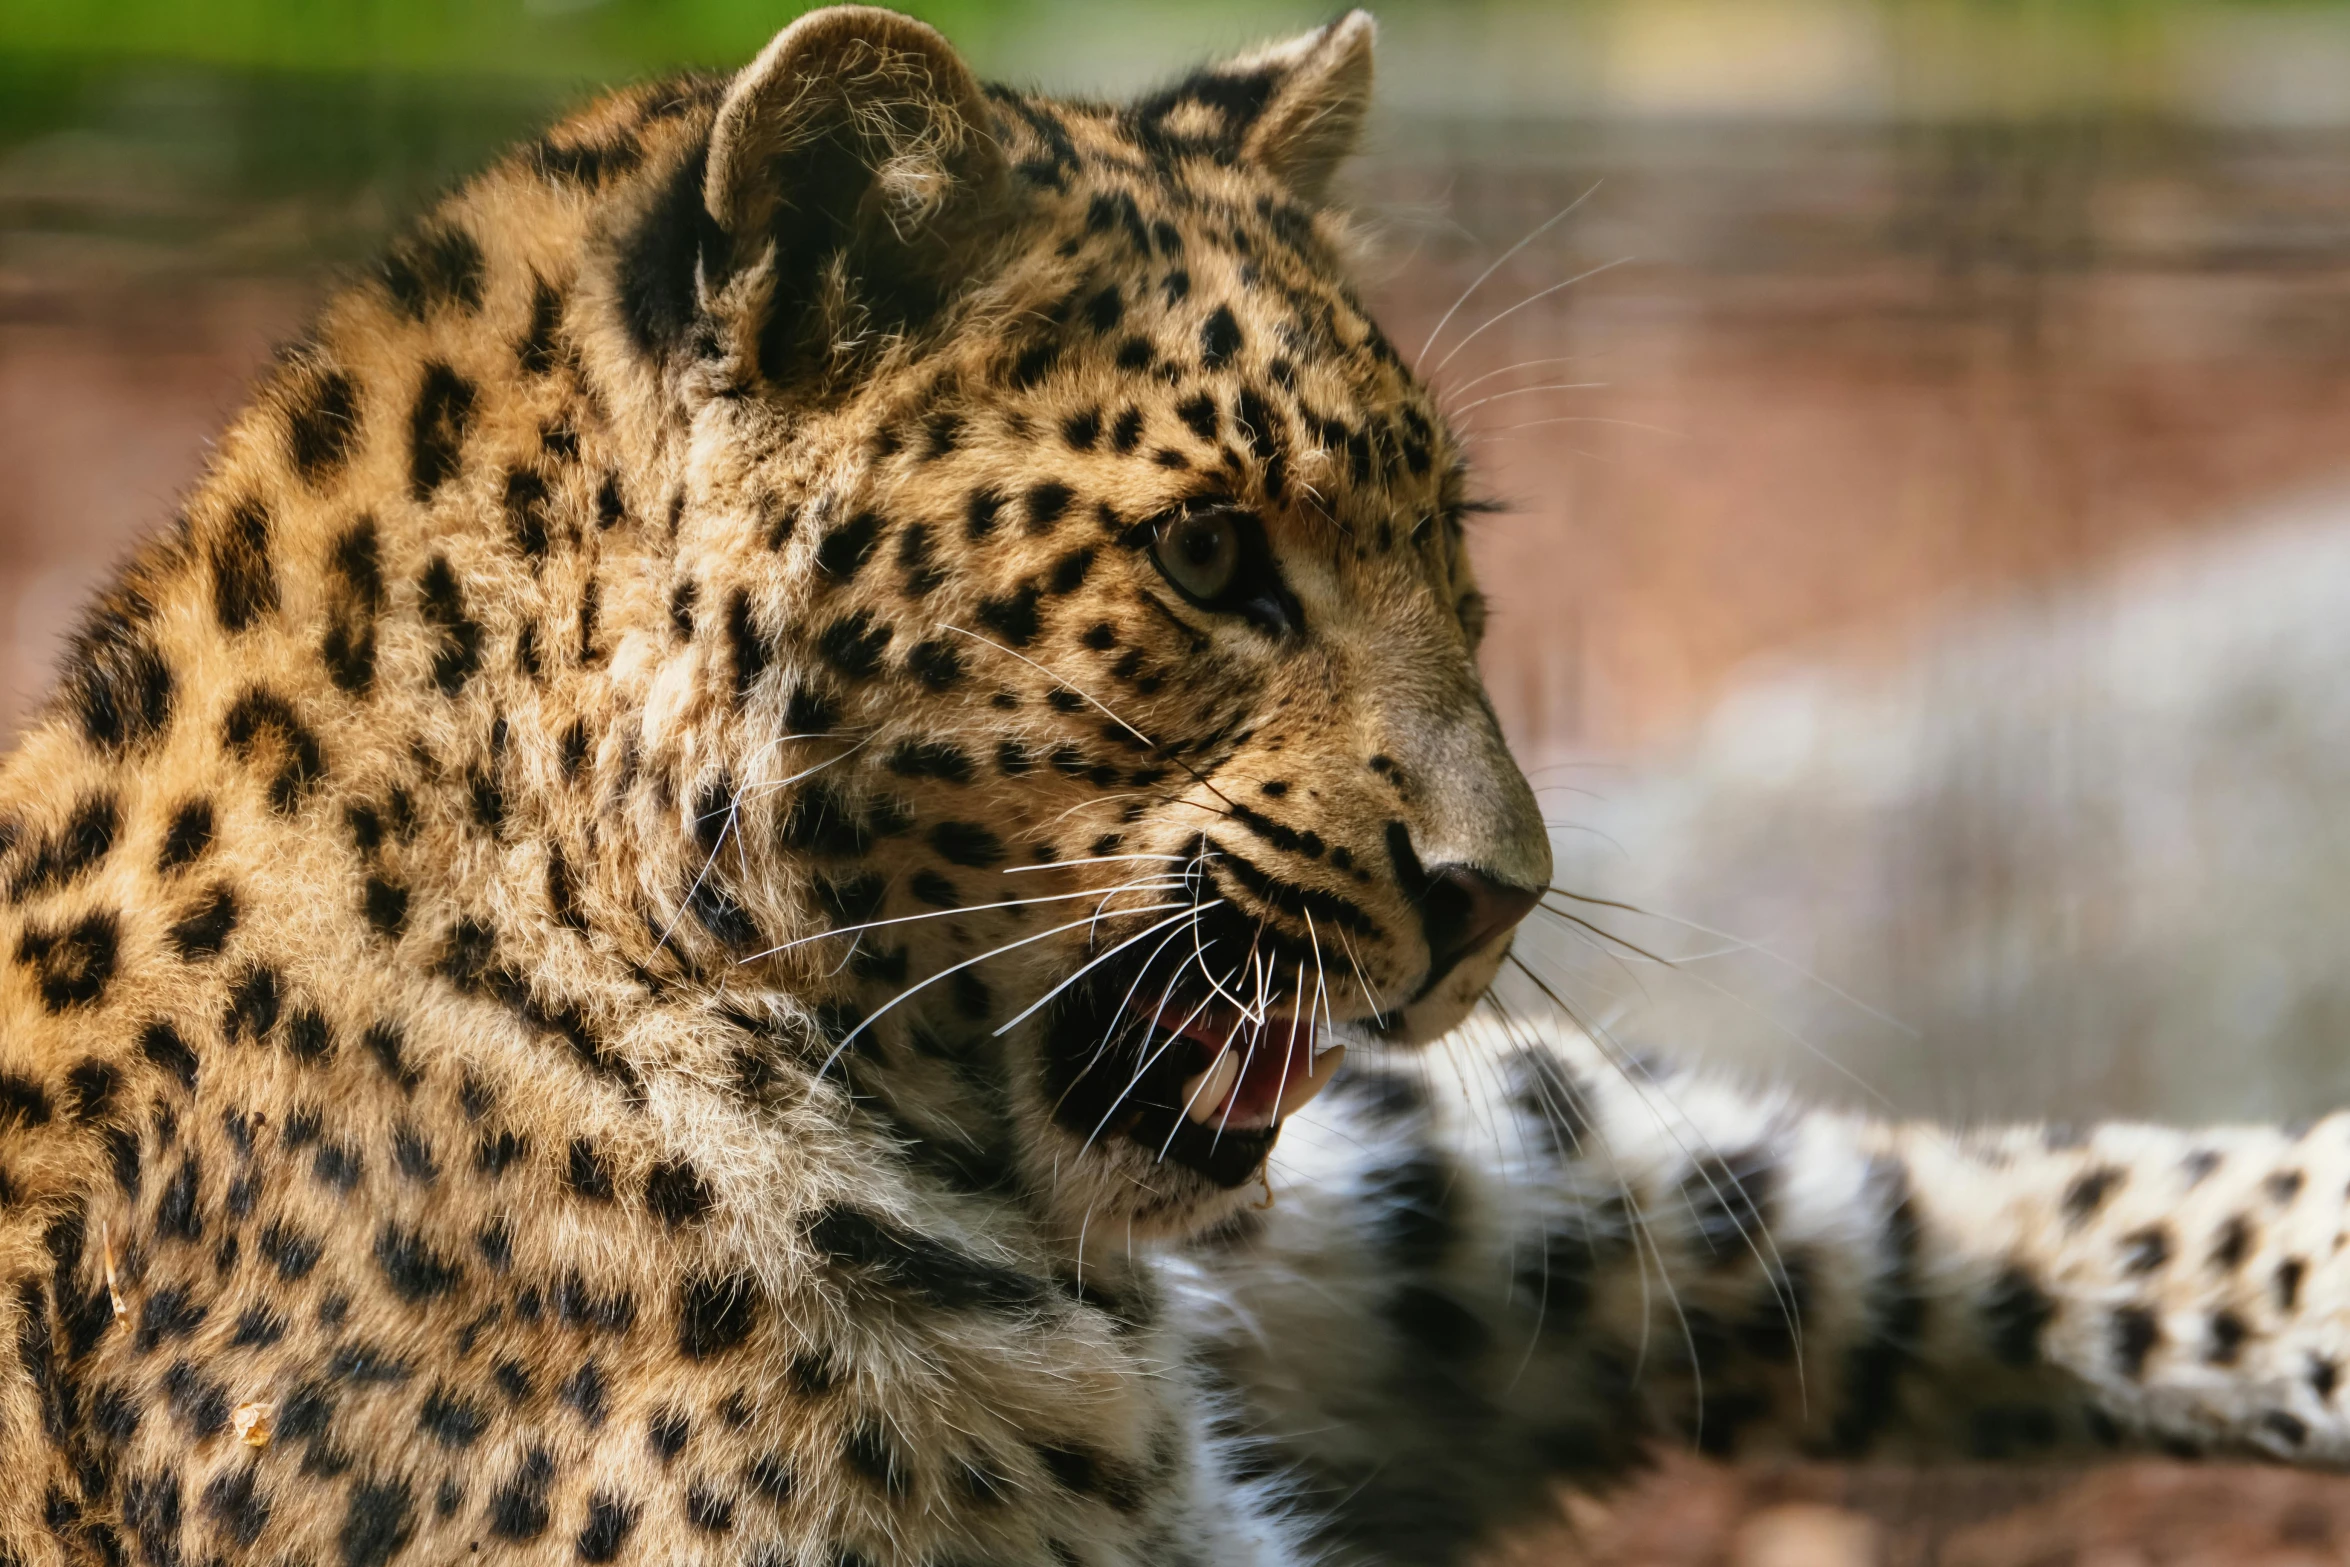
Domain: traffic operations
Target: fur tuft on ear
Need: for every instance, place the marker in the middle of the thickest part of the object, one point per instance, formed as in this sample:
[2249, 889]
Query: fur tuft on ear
[1294, 109]
[857, 143]
[1315, 118]
[883, 89]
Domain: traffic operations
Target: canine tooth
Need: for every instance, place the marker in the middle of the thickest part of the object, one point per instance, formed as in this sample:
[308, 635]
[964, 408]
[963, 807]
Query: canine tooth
[1204, 1093]
[1299, 1093]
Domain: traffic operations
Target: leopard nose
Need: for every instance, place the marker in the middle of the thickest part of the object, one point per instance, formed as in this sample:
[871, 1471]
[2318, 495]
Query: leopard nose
[1463, 909]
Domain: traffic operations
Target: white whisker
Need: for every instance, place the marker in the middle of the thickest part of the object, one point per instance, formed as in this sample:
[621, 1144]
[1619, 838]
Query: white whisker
[1190, 911]
[1499, 262]
[1151, 885]
[1536, 296]
[953, 968]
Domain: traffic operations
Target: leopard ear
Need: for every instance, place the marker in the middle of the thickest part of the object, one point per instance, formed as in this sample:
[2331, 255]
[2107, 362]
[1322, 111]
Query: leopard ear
[1294, 109]
[858, 144]
[1314, 118]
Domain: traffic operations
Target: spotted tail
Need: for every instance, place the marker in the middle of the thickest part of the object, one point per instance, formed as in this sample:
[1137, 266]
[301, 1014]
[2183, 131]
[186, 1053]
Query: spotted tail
[1512, 1261]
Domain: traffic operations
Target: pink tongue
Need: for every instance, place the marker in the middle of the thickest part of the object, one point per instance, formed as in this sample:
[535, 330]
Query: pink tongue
[1263, 1077]
[1270, 1060]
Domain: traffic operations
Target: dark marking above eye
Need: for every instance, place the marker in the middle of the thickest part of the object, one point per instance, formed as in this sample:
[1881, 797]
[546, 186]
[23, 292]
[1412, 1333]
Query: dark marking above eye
[1046, 503]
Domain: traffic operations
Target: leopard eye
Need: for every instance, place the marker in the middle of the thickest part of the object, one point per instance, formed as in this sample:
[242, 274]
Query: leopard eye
[1200, 554]
[1218, 558]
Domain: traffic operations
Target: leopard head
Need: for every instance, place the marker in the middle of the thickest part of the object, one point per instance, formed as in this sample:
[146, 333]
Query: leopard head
[1092, 677]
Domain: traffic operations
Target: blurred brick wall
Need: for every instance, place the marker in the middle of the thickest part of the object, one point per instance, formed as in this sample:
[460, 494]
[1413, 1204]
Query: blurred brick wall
[108, 399]
[1848, 376]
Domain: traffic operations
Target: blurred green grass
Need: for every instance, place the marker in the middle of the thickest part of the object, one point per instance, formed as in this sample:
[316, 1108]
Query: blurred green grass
[556, 39]
[568, 39]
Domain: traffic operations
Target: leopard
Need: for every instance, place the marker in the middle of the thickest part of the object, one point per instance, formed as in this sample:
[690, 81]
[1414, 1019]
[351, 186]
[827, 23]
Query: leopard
[795, 859]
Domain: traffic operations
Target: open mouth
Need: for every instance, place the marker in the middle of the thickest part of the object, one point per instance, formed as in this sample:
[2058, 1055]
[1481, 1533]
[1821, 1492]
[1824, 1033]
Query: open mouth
[1198, 1074]
[1259, 1071]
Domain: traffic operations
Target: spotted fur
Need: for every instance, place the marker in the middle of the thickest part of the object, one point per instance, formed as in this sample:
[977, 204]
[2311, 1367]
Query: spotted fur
[589, 941]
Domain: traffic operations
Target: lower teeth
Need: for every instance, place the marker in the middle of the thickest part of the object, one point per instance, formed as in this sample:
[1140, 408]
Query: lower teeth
[1204, 1093]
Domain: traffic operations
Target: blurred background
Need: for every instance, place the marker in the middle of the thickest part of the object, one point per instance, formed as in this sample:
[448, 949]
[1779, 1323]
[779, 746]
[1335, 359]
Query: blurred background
[1924, 588]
